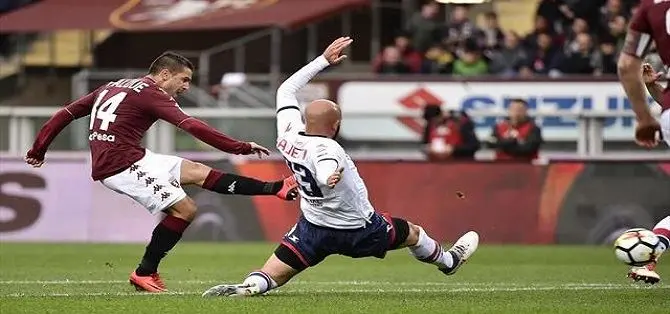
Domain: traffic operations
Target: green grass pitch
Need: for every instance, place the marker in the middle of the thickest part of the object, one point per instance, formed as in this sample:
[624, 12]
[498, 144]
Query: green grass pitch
[92, 278]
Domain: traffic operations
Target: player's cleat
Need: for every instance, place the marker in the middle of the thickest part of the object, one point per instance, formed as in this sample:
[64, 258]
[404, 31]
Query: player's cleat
[464, 247]
[289, 190]
[151, 283]
[646, 274]
[231, 291]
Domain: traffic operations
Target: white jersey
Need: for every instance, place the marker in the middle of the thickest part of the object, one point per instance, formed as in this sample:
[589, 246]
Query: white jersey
[313, 159]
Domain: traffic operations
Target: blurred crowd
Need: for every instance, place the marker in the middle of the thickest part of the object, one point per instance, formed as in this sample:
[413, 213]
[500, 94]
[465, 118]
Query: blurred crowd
[582, 37]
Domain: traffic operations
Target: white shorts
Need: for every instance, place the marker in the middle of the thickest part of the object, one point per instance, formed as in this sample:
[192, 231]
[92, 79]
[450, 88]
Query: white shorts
[665, 125]
[152, 181]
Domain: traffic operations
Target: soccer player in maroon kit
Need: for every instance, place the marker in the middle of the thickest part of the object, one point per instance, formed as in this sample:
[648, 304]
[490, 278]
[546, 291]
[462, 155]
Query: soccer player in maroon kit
[121, 113]
[650, 23]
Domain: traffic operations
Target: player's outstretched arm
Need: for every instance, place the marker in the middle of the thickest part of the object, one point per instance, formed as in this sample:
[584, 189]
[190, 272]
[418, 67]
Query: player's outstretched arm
[288, 107]
[75, 110]
[166, 108]
[220, 141]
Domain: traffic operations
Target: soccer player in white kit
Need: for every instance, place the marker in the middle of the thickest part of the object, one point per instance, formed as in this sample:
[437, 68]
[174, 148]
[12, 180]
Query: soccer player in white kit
[337, 217]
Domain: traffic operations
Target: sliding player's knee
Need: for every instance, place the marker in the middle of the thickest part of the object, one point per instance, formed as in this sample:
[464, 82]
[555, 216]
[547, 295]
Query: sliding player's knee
[194, 172]
[413, 234]
[280, 268]
[184, 209]
[403, 232]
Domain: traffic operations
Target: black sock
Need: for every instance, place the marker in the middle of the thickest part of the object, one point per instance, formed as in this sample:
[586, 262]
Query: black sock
[165, 236]
[228, 183]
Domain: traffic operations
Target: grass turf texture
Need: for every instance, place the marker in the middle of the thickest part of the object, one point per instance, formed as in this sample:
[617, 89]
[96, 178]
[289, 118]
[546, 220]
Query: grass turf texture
[92, 278]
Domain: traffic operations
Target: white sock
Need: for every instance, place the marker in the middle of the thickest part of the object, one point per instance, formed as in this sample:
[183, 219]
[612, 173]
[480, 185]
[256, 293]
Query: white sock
[662, 230]
[430, 251]
[262, 280]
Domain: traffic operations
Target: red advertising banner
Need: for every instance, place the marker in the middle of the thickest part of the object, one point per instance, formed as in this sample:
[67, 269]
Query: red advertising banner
[565, 202]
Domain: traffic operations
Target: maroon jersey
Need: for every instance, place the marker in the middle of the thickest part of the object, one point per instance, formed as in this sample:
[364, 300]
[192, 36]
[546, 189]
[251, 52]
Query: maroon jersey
[651, 23]
[121, 113]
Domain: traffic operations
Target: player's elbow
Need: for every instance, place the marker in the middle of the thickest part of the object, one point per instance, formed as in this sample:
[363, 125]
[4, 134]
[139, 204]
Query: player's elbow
[286, 89]
[628, 65]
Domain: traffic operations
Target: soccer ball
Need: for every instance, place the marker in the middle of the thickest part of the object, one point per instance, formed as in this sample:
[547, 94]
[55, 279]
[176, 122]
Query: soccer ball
[636, 247]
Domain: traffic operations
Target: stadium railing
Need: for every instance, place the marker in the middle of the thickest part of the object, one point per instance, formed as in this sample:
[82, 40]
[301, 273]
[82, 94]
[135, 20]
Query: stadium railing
[161, 138]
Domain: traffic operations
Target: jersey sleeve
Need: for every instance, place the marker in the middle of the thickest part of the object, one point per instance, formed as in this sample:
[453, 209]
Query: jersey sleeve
[75, 110]
[82, 107]
[327, 160]
[289, 116]
[164, 107]
[639, 36]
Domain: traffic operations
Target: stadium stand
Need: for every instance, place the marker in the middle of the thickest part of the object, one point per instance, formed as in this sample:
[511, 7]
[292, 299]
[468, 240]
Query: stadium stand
[566, 37]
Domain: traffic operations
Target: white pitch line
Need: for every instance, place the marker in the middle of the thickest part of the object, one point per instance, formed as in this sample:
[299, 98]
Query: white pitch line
[303, 282]
[300, 291]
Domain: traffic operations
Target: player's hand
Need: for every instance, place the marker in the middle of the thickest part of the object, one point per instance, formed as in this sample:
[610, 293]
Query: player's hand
[36, 163]
[335, 178]
[647, 133]
[649, 75]
[259, 150]
[333, 53]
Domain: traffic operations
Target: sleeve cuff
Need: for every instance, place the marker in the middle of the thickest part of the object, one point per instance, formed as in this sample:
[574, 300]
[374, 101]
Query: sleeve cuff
[322, 62]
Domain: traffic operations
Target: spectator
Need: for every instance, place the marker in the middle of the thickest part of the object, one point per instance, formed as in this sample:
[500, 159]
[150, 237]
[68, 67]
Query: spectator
[579, 26]
[541, 27]
[606, 58]
[492, 34]
[391, 62]
[586, 10]
[557, 12]
[449, 136]
[509, 58]
[459, 27]
[611, 10]
[409, 55]
[438, 61]
[616, 29]
[525, 72]
[580, 61]
[517, 137]
[470, 62]
[543, 57]
[423, 27]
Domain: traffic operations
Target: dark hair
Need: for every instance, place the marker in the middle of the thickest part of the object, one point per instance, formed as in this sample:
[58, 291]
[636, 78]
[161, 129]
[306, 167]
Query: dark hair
[431, 111]
[171, 61]
[491, 15]
[519, 100]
